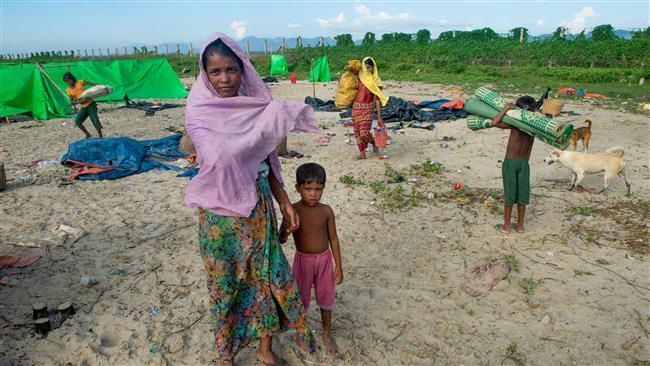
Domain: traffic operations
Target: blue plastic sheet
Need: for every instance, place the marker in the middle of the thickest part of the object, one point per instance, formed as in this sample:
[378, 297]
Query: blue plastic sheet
[125, 156]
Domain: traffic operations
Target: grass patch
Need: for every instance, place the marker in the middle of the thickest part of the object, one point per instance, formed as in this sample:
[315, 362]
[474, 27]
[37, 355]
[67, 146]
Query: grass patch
[351, 180]
[602, 261]
[427, 167]
[512, 262]
[377, 186]
[582, 210]
[579, 272]
[528, 285]
[393, 175]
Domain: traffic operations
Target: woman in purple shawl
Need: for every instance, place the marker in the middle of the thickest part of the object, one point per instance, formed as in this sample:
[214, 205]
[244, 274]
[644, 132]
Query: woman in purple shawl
[236, 126]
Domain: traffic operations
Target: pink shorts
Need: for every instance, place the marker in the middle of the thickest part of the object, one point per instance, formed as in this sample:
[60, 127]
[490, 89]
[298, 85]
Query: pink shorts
[315, 270]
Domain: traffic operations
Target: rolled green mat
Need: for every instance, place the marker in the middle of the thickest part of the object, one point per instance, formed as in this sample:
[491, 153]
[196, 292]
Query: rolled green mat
[476, 123]
[537, 120]
[478, 109]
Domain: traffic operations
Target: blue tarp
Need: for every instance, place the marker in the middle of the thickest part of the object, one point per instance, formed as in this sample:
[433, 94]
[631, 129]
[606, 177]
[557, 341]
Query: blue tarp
[124, 156]
[433, 104]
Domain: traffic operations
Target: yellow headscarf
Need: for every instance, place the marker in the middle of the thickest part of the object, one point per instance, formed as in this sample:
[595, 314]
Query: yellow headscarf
[353, 65]
[372, 81]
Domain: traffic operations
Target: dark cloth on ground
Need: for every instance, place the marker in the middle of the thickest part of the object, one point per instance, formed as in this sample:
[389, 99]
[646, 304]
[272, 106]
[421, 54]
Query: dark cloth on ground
[149, 108]
[270, 79]
[122, 156]
[321, 105]
[398, 109]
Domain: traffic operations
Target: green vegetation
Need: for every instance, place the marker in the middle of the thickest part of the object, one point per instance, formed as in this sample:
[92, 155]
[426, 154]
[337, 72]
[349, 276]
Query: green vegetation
[527, 285]
[602, 64]
[602, 261]
[393, 175]
[350, 180]
[513, 262]
[579, 272]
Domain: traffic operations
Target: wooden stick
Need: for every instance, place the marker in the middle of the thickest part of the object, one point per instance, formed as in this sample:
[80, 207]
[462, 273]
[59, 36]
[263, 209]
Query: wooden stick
[58, 87]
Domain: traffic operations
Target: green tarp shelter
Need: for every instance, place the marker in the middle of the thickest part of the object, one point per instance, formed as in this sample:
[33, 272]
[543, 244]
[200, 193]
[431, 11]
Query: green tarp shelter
[278, 65]
[25, 88]
[320, 70]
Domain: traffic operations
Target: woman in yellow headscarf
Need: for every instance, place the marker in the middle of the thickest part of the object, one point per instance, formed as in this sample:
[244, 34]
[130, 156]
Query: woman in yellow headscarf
[369, 96]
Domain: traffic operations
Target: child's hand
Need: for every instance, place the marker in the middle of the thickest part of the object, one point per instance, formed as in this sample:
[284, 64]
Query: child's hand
[338, 276]
[510, 106]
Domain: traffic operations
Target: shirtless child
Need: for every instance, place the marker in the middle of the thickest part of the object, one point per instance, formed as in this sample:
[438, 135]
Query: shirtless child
[516, 170]
[316, 242]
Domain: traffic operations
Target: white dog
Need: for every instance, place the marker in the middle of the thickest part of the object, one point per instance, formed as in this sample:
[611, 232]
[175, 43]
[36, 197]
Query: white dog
[611, 162]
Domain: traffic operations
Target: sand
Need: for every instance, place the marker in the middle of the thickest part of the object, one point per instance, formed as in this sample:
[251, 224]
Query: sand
[401, 302]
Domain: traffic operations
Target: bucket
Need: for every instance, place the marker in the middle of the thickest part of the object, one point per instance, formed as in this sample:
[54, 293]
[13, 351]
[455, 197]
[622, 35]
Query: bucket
[552, 107]
[294, 78]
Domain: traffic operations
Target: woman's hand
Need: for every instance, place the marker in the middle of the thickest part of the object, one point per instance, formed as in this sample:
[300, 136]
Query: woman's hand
[290, 216]
[380, 122]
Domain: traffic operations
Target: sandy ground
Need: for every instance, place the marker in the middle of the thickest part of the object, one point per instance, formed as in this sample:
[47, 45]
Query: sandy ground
[401, 303]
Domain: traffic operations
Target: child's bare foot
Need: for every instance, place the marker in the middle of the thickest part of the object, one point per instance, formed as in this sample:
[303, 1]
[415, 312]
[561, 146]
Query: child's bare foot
[375, 149]
[330, 345]
[88, 136]
[502, 228]
[520, 229]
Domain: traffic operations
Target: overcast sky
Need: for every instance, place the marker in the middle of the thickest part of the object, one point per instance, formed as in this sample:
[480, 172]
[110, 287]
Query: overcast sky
[28, 26]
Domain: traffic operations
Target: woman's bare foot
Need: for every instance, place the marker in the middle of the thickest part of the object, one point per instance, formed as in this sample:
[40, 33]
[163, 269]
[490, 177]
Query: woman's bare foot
[301, 344]
[88, 135]
[362, 155]
[330, 345]
[375, 149]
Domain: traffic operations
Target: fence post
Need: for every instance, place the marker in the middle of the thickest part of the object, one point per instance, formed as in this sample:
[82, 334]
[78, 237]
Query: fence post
[266, 47]
[100, 52]
[108, 52]
[248, 48]
[521, 35]
[117, 51]
[191, 50]
[166, 50]
[155, 49]
[178, 48]
[125, 52]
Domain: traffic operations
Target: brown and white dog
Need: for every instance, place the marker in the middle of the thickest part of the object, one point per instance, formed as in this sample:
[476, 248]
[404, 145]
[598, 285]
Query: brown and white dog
[611, 162]
[581, 133]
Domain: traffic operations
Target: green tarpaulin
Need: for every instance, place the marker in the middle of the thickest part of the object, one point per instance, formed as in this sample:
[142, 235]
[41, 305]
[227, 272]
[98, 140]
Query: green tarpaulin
[320, 70]
[26, 89]
[278, 65]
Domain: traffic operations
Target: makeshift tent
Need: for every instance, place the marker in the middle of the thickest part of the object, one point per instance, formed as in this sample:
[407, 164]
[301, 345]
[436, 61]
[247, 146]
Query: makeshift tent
[320, 70]
[26, 88]
[278, 65]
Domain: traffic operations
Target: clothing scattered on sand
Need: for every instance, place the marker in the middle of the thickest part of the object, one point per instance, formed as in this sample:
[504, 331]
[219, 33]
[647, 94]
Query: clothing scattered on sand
[482, 277]
[150, 108]
[321, 105]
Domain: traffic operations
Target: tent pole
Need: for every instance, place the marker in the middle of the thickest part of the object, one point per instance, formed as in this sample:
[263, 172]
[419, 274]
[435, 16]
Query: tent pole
[59, 88]
[313, 78]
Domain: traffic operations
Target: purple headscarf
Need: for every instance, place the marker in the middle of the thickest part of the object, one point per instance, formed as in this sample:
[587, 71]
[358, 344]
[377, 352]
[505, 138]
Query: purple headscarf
[234, 135]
